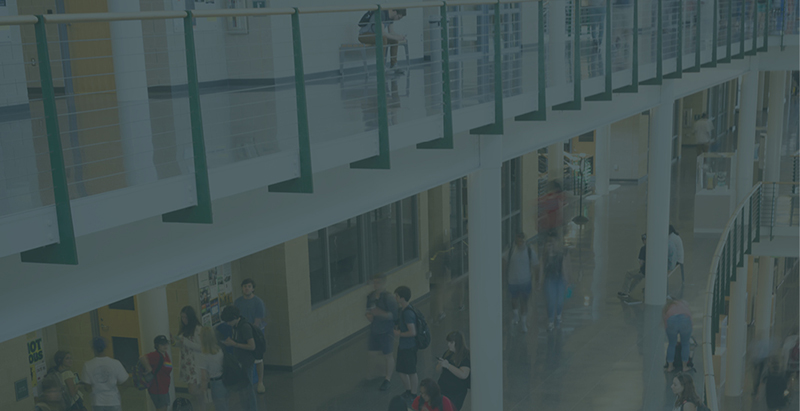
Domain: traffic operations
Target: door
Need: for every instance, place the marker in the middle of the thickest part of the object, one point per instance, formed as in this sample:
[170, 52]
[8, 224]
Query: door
[119, 326]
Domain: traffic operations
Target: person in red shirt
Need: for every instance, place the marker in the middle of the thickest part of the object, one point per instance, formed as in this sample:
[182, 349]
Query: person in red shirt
[430, 398]
[159, 364]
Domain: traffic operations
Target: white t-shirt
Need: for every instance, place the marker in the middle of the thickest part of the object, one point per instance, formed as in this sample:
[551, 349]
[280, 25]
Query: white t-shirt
[677, 244]
[104, 374]
[519, 267]
[212, 363]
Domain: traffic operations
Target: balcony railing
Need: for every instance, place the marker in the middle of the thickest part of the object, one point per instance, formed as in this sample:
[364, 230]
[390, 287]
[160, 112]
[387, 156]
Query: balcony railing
[173, 105]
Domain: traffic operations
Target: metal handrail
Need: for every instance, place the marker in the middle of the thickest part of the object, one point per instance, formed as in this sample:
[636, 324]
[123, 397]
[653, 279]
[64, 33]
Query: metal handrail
[708, 365]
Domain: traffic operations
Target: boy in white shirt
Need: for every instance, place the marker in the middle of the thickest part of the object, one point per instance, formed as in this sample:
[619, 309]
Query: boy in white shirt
[103, 374]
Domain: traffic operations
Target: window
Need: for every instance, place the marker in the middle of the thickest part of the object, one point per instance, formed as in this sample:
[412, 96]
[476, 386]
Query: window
[459, 228]
[344, 255]
[511, 191]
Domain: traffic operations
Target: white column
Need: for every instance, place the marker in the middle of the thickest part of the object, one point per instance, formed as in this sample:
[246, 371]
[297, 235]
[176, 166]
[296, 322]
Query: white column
[602, 159]
[737, 313]
[485, 281]
[772, 156]
[557, 31]
[130, 79]
[658, 197]
[555, 163]
[153, 321]
[766, 276]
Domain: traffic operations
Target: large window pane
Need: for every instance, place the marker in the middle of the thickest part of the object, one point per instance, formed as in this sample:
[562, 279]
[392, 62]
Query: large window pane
[409, 208]
[382, 239]
[504, 189]
[343, 246]
[514, 183]
[316, 262]
[455, 210]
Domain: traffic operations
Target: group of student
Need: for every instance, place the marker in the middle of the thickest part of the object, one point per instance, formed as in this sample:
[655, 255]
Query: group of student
[222, 360]
[392, 316]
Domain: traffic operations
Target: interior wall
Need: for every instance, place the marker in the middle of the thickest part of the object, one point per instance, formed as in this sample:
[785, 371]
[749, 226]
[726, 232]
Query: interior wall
[629, 148]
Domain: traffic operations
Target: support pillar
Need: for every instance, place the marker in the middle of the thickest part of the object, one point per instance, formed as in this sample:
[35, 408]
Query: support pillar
[766, 278]
[555, 163]
[485, 281]
[775, 117]
[153, 321]
[658, 196]
[602, 159]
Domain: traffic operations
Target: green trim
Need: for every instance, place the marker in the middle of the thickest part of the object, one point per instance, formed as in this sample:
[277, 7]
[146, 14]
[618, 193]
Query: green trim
[678, 73]
[304, 183]
[575, 104]
[696, 67]
[66, 250]
[754, 49]
[201, 213]
[730, 264]
[497, 127]
[758, 223]
[729, 35]
[741, 240]
[634, 86]
[608, 93]
[658, 79]
[382, 160]
[541, 113]
[765, 47]
[740, 54]
[446, 142]
[750, 228]
[713, 62]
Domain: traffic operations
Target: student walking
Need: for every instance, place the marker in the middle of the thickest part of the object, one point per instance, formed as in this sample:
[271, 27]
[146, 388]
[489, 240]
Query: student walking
[254, 311]
[381, 313]
[210, 364]
[686, 398]
[244, 346]
[633, 277]
[555, 277]
[189, 341]
[69, 381]
[454, 364]
[430, 398]
[159, 365]
[677, 319]
[676, 251]
[103, 374]
[406, 330]
[519, 267]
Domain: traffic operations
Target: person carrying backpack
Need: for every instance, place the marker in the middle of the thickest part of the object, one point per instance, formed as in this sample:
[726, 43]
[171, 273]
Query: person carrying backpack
[406, 331]
[159, 365]
[381, 313]
[245, 350]
[68, 380]
[519, 267]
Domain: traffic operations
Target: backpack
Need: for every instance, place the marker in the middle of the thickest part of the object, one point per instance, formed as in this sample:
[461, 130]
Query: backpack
[53, 374]
[530, 256]
[365, 19]
[142, 379]
[261, 342]
[423, 337]
[233, 374]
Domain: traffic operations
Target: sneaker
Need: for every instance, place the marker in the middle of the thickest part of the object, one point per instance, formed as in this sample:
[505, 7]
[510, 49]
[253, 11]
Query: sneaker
[385, 385]
[558, 320]
[260, 388]
[622, 295]
[550, 327]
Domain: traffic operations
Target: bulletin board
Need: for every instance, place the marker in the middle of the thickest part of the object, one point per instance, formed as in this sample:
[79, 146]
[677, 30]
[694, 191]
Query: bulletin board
[216, 292]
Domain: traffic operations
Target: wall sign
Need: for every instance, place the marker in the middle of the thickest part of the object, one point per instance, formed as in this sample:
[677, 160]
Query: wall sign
[36, 360]
[216, 292]
[21, 389]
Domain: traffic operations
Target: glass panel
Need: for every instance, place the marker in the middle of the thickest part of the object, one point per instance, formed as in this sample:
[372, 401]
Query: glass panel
[410, 248]
[505, 233]
[382, 239]
[515, 226]
[514, 184]
[455, 209]
[343, 248]
[126, 304]
[464, 207]
[504, 189]
[316, 263]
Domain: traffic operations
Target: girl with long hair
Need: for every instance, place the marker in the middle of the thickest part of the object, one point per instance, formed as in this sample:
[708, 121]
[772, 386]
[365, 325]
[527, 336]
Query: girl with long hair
[210, 365]
[430, 398]
[189, 341]
[454, 364]
[686, 398]
[63, 369]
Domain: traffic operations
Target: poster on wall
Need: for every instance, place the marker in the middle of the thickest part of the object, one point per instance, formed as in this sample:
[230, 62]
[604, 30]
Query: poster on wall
[36, 360]
[215, 293]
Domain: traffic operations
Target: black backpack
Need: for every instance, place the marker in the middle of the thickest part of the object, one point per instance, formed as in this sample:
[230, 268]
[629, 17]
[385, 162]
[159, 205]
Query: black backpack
[261, 342]
[365, 19]
[423, 337]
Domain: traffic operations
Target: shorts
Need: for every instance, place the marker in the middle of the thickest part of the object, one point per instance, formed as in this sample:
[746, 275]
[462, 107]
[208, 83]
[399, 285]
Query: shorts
[406, 361]
[381, 342]
[520, 290]
[160, 400]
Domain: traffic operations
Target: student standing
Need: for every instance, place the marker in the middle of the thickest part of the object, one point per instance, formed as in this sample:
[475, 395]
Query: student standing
[254, 311]
[381, 313]
[431, 398]
[210, 365]
[103, 374]
[454, 364]
[554, 275]
[686, 398]
[775, 386]
[519, 265]
[407, 348]
[159, 364]
[189, 341]
[63, 367]
[677, 319]
[244, 345]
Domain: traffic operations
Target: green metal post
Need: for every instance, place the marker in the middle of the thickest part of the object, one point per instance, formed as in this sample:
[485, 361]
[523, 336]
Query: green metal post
[634, 86]
[750, 228]
[696, 67]
[713, 62]
[754, 49]
[304, 183]
[65, 251]
[382, 160]
[741, 240]
[678, 73]
[200, 213]
[575, 104]
[541, 110]
[714, 311]
[446, 142]
[497, 126]
[758, 215]
[606, 95]
[740, 54]
[657, 80]
[729, 34]
[731, 262]
[766, 27]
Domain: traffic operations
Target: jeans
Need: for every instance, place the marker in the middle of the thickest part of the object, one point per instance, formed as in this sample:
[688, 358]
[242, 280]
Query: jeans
[632, 278]
[679, 324]
[247, 397]
[554, 289]
[219, 394]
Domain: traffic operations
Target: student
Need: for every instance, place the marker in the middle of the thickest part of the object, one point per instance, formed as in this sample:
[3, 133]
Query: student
[159, 364]
[555, 278]
[381, 313]
[406, 330]
[431, 398]
[254, 311]
[63, 365]
[775, 386]
[519, 266]
[366, 34]
[454, 365]
[243, 345]
[676, 246]
[702, 133]
[210, 365]
[677, 319]
[633, 277]
[686, 398]
[398, 404]
[51, 398]
[103, 374]
[189, 341]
